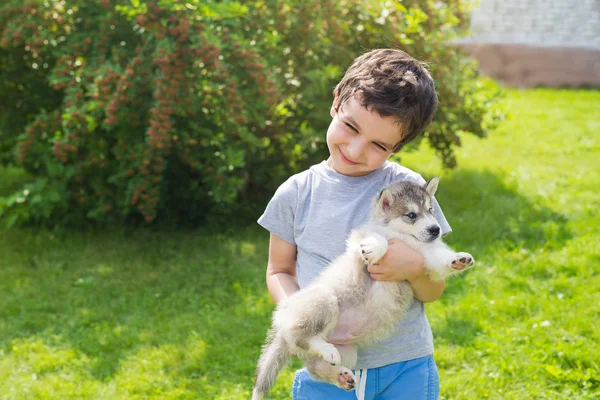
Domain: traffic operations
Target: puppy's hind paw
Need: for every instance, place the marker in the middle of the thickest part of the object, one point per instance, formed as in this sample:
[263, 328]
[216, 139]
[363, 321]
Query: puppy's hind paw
[346, 379]
[463, 261]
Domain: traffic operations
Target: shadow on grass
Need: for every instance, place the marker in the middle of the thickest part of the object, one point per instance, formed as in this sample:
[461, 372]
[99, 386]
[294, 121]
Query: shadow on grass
[488, 216]
[458, 330]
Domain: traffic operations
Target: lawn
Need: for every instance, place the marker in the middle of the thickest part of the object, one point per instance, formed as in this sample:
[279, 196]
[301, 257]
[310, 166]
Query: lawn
[142, 314]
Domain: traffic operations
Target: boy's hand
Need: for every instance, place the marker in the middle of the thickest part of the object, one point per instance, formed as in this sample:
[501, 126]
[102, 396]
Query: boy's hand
[400, 263]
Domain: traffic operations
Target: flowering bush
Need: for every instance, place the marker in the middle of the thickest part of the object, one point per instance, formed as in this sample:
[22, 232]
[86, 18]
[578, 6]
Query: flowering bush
[145, 108]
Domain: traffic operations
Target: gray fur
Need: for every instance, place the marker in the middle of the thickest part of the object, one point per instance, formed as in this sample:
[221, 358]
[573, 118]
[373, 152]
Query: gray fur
[345, 298]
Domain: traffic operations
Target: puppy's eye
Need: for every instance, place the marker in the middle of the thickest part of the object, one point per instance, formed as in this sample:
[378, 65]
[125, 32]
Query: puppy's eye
[431, 210]
[411, 215]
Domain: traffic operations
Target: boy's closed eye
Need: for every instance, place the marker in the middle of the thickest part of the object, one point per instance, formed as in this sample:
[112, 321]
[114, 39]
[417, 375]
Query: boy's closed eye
[351, 127]
[378, 145]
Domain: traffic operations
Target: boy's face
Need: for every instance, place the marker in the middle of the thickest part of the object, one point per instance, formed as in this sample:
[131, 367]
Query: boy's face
[359, 140]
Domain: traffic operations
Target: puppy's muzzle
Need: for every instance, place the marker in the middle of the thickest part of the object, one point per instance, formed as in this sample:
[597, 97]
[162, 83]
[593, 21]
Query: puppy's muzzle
[434, 232]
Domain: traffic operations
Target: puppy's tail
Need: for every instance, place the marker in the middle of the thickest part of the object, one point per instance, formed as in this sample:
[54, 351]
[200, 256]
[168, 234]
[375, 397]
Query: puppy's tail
[275, 355]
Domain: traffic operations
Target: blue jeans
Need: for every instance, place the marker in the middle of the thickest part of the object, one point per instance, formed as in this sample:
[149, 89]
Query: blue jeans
[408, 380]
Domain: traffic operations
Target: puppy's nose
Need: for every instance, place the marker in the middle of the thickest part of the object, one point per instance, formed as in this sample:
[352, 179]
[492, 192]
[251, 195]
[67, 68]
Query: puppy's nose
[434, 230]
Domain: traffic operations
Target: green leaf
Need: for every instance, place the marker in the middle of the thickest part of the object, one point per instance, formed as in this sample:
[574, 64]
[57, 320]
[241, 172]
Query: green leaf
[53, 196]
[91, 123]
[54, 169]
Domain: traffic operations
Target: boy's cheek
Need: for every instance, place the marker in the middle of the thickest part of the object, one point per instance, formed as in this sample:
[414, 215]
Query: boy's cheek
[380, 162]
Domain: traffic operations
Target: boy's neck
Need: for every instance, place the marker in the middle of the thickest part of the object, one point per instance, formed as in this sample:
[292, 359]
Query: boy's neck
[329, 162]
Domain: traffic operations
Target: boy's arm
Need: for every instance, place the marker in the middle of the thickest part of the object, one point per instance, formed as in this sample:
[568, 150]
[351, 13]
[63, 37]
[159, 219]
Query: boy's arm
[402, 263]
[281, 269]
[426, 290]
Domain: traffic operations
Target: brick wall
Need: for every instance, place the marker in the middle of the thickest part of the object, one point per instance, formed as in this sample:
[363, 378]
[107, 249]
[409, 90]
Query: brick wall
[537, 42]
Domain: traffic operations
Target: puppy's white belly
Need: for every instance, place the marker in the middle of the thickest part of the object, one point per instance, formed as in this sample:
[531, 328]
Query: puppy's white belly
[352, 324]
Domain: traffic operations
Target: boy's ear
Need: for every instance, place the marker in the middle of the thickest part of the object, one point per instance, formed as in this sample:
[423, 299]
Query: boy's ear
[334, 105]
[432, 185]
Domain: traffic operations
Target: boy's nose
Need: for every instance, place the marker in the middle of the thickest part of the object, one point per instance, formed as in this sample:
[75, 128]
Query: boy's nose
[355, 149]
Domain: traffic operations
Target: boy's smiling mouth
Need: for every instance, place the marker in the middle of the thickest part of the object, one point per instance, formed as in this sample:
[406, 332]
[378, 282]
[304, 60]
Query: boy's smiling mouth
[346, 160]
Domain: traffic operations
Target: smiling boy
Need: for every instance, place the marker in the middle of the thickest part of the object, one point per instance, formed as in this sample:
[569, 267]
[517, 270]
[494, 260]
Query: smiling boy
[385, 100]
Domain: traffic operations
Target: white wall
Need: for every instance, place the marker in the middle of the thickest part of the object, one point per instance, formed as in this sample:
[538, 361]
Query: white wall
[562, 23]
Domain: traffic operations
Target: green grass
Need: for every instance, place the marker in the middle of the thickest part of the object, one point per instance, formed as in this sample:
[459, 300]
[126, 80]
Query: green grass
[136, 314]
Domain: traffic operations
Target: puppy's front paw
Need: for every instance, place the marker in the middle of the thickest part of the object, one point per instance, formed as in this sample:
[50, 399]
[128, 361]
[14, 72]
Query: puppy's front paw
[346, 379]
[462, 261]
[372, 249]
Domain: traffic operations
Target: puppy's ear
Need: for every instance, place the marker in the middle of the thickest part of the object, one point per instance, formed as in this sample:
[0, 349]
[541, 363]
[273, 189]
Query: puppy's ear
[432, 185]
[385, 199]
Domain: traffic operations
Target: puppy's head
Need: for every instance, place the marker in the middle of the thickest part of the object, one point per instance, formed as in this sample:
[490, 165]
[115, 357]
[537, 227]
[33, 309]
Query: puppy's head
[407, 207]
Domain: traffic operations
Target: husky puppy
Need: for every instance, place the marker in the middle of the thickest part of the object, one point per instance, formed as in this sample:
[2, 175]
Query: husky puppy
[346, 303]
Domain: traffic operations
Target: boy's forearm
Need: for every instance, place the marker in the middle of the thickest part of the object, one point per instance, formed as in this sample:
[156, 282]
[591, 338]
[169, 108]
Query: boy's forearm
[426, 290]
[281, 285]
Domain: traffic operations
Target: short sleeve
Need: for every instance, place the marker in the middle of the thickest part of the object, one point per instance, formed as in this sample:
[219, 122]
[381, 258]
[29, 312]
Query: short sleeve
[441, 219]
[279, 215]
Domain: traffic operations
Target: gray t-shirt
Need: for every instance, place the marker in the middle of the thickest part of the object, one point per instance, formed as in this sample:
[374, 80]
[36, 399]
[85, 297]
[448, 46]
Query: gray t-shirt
[315, 210]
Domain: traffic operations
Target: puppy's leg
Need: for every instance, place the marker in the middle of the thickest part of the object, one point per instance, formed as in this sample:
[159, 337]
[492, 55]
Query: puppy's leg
[443, 262]
[318, 316]
[339, 376]
[325, 350]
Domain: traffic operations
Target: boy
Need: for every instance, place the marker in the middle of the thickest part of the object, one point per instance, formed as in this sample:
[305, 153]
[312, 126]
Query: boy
[385, 99]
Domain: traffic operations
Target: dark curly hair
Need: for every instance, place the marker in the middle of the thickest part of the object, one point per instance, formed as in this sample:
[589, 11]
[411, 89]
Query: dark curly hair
[392, 83]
